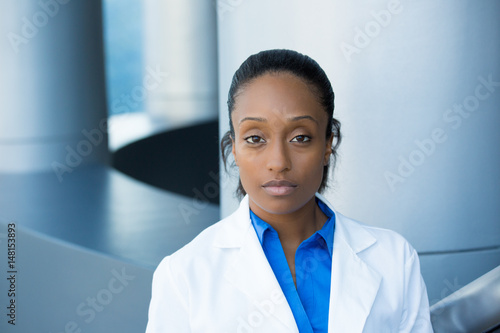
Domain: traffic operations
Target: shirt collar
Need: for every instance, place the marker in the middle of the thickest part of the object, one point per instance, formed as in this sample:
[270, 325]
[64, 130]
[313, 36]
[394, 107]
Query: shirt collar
[328, 228]
[326, 232]
[260, 226]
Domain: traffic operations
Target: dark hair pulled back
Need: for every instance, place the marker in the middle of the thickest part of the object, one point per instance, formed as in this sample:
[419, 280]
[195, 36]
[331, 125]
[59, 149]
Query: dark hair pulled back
[283, 61]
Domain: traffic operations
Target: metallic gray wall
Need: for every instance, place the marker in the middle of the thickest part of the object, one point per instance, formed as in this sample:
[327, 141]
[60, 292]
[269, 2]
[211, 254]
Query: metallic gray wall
[52, 85]
[417, 91]
[419, 105]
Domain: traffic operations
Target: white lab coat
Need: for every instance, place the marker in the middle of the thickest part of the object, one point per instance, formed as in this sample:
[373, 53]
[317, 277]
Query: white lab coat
[222, 282]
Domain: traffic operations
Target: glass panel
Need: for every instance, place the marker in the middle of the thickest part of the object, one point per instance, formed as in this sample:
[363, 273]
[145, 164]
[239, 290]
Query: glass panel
[123, 40]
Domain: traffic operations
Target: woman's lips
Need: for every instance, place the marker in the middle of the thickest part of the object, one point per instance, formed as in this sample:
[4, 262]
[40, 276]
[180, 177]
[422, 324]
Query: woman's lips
[279, 187]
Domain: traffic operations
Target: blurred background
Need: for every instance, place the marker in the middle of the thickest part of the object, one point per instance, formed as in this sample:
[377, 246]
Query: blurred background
[112, 112]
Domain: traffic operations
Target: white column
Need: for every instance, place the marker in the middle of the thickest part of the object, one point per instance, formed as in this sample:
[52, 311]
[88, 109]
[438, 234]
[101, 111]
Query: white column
[181, 39]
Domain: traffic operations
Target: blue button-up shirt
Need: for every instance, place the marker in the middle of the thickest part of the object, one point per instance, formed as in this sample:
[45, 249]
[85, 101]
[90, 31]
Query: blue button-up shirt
[313, 268]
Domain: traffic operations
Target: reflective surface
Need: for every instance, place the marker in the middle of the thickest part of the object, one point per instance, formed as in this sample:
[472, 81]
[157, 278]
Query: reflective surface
[103, 210]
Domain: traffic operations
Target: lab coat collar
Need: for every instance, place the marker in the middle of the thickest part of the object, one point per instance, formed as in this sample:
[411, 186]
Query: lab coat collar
[261, 287]
[354, 284]
[234, 228]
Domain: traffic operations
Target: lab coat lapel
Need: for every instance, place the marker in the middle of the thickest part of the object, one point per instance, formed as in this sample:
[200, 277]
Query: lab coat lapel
[354, 283]
[250, 271]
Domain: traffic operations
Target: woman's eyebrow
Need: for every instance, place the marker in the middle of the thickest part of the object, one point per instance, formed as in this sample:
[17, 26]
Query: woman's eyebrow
[303, 117]
[262, 120]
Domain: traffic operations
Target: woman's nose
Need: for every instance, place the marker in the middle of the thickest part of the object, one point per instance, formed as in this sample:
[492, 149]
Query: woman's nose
[278, 157]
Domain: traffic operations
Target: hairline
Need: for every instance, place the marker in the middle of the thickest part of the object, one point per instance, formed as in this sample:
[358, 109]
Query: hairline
[316, 91]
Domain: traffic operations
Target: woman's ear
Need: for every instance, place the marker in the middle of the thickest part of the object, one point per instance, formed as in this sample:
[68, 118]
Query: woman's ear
[328, 150]
[233, 150]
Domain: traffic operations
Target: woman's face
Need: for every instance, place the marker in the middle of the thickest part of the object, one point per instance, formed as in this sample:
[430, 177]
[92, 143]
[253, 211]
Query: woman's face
[280, 145]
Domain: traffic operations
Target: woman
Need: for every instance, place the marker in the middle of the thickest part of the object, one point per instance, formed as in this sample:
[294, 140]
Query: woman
[286, 261]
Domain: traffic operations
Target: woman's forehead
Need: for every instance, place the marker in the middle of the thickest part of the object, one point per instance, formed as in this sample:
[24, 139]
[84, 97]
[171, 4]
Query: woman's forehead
[281, 95]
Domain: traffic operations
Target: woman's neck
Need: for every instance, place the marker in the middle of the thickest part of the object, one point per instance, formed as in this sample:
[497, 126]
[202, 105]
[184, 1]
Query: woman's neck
[293, 228]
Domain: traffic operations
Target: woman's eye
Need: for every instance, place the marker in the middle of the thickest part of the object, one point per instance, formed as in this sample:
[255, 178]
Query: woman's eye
[254, 139]
[301, 138]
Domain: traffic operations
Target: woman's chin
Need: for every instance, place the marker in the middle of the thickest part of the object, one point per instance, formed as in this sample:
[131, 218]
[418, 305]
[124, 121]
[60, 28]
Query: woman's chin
[278, 205]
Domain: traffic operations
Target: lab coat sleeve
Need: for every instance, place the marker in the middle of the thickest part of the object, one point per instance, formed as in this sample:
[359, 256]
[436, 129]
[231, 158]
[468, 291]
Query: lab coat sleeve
[168, 310]
[416, 315]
